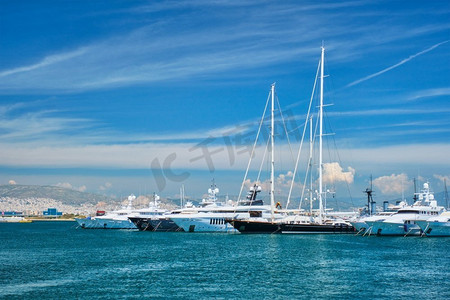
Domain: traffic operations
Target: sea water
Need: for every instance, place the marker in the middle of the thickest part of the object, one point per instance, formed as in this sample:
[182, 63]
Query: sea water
[57, 260]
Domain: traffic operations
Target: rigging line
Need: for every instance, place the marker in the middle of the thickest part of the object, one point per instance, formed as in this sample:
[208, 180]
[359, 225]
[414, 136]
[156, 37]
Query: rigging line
[296, 128]
[340, 163]
[308, 168]
[262, 161]
[254, 146]
[303, 136]
[285, 130]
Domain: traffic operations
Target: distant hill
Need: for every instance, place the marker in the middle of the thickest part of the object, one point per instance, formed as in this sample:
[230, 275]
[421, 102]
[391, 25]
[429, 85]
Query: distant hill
[66, 196]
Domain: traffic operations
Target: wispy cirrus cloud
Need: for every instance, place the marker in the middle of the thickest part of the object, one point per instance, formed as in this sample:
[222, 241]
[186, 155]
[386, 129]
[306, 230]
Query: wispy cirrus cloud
[180, 47]
[436, 92]
[45, 62]
[395, 65]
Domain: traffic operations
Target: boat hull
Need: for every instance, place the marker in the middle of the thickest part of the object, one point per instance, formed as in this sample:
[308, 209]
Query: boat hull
[13, 219]
[149, 224]
[394, 229]
[205, 224]
[317, 228]
[246, 226]
[105, 224]
[435, 228]
[360, 226]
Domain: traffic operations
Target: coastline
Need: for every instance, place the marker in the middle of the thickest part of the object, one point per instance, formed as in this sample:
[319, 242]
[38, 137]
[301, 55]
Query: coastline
[50, 220]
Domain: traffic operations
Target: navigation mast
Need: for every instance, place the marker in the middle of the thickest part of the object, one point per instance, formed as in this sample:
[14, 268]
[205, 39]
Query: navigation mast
[272, 171]
[320, 137]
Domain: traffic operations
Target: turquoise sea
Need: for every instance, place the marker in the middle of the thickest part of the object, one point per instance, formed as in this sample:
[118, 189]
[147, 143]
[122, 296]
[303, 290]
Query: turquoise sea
[55, 260]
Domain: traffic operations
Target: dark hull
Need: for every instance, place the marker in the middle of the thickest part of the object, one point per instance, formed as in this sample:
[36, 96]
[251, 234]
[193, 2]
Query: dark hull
[255, 226]
[317, 228]
[148, 224]
[269, 227]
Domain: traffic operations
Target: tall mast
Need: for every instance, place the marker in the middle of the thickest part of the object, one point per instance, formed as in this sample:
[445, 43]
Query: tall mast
[415, 192]
[320, 135]
[182, 196]
[446, 194]
[310, 164]
[272, 169]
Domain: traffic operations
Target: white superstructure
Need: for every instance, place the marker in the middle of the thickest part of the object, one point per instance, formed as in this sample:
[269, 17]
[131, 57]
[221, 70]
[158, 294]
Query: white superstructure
[117, 219]
[212, 215]
[403, 222]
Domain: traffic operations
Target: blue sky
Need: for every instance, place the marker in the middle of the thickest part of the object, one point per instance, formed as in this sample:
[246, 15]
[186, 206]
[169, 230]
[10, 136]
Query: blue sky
[93, 94]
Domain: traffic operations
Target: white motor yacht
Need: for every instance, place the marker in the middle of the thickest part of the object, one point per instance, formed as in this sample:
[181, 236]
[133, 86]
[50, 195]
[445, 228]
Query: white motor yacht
[436, 226]
[117, 219]
[403, 222]
[212, 215]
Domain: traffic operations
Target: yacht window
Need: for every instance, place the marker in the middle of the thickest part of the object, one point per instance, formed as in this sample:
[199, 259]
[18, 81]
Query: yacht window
[255, 214]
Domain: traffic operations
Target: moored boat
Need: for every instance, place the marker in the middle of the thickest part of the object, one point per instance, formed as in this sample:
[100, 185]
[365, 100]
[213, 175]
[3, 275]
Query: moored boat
[405, 221]
[436, 226]
[299, 222]
[213, 216]
[113, 220]
[153, 218]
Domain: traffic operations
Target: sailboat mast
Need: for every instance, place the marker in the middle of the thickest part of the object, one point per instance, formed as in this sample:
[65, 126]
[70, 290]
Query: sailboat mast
[272, 171]
[310, 164]
[446, 194]
[320, 135]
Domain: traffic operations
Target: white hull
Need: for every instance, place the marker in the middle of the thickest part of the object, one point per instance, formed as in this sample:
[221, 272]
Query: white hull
[393, 229]
[105, 224]
[435, 228]
[13, 219]
[204, 224]
[360, 226]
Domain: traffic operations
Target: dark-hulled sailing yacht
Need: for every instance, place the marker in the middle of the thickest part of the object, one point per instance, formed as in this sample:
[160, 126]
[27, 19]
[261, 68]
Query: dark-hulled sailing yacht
[296, 223]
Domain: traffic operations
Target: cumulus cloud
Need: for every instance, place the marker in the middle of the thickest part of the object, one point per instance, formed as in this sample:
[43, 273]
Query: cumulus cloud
[333, 173]
[12, 182]
[67, 185]
[282, 183]
[393, 184]
[442, 178]
[106, 186]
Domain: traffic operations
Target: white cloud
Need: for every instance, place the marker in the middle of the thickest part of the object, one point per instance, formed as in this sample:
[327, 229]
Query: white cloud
[393, 184]
[283, 183]
[160, 51]
[140, 156]
[396, 65]
[46, 61]
[105, 186]
[68, 185]
[333, 173]
[12, 182]
[430, 93]
[442, 178]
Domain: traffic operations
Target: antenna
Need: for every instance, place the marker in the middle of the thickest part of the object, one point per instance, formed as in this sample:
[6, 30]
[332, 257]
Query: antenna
[415, 191]
[370, 201]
